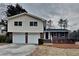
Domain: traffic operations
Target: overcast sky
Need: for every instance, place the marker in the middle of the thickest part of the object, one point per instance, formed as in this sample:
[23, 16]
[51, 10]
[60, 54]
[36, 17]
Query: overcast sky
[55, 11]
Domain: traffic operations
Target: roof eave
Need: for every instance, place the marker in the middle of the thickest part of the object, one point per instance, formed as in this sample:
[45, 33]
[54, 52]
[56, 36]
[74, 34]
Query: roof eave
[28, 15]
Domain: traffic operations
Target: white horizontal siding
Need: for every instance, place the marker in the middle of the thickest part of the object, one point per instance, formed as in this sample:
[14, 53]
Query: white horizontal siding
[25, 25]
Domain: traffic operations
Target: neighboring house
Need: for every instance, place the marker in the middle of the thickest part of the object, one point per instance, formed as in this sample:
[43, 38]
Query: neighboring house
[2, 32]
[56, 34]
[25, 28]
[49, 24]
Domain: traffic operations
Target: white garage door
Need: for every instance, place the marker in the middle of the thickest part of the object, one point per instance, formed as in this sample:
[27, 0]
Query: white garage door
[18, 37]
[33, 38]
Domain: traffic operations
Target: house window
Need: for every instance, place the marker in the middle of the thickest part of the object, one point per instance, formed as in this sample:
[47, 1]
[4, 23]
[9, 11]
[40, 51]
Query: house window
[62, 34]
[18, 23]
[46, 35]
[55, 34]
[33, 23]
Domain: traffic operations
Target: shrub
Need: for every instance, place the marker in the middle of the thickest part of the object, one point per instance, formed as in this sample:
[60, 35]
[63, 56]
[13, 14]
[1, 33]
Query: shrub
[2, 39]
[8, 40]
[41, 41]
[5, 39]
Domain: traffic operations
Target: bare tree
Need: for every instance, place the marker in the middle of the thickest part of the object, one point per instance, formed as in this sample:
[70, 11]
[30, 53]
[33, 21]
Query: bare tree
[65, 23]
[60, 23]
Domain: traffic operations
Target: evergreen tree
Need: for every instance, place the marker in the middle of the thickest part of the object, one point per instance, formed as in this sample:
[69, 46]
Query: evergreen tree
[13, 10]
[19, 9]
[10, 10]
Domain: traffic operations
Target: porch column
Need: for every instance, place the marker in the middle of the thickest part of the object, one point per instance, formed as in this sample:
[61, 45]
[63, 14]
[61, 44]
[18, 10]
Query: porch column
[49, 36]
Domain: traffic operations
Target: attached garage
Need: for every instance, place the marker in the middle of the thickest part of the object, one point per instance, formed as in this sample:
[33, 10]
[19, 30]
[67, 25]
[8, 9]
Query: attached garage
[33, 38]
[18, 37]
[25, 28]
[30, 38]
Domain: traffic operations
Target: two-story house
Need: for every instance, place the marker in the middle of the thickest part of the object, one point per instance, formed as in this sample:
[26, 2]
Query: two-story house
[25, 28]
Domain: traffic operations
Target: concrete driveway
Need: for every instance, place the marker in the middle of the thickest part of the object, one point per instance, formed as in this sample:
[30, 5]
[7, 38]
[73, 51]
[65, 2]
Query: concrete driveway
[16, 49]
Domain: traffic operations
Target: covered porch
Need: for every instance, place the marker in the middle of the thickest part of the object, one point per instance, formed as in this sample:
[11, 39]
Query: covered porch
[56, 34]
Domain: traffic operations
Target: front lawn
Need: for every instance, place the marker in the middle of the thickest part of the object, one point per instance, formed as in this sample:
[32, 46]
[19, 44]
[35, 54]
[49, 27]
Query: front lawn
[56, 50]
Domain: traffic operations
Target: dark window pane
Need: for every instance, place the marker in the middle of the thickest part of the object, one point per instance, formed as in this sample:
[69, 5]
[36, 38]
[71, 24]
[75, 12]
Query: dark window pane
[62, 34]
[46, 35]
[35, 23]
[16, 23]
[54, 34]
[20, 23]
[31, 23]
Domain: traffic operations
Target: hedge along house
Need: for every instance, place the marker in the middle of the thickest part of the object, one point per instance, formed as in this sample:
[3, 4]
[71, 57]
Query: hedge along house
[25, 28]
[56, 34]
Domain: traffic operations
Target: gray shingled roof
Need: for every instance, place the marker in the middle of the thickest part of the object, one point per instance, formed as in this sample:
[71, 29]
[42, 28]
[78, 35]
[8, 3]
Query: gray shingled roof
[56, 30]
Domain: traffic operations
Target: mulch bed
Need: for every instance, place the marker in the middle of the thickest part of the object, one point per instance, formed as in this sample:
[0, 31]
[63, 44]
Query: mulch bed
[66, 46]
[71, 46]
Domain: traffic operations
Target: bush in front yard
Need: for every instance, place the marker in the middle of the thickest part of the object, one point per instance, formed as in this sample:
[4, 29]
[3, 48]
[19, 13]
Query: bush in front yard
[8, 40]
[2, 39]
[5, 39]
[41, 41]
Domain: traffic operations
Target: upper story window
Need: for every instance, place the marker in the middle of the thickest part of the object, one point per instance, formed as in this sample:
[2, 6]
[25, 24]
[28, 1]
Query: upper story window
[18, 23]
[33, 23]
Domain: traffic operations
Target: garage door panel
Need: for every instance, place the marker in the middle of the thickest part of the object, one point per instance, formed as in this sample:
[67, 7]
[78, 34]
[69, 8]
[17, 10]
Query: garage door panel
[33, 38]
[18, 38]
